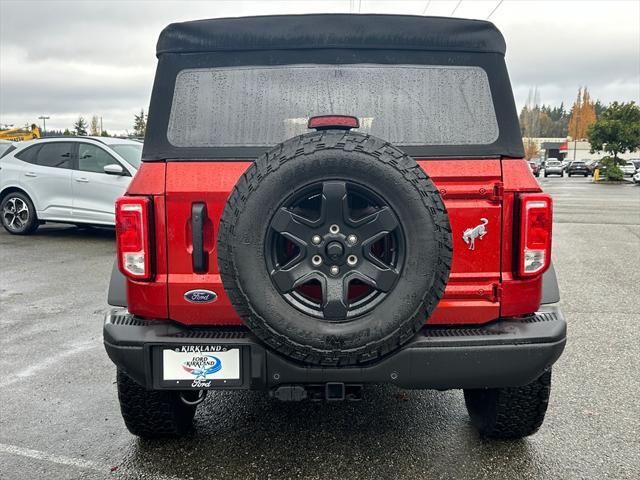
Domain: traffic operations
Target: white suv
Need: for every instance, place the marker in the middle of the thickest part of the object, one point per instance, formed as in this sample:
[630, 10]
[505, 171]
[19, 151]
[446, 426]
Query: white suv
[64, 179]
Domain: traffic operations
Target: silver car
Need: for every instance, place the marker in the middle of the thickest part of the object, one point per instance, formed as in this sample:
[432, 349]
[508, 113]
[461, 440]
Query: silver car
[628, 169]
[4, 146]
[553, 167]
[64, 179]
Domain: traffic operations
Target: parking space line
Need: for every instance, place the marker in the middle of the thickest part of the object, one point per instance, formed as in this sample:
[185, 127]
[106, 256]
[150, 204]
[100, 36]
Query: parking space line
[47, 362]
[50, 457]
[72, 462]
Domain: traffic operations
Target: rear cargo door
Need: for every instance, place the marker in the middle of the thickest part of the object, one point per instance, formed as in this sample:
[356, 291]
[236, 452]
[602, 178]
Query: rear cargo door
[472, 193]
[196, 193]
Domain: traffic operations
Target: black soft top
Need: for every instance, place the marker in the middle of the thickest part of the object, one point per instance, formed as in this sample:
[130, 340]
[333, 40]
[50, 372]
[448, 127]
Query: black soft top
[329, 39]
[295, 32]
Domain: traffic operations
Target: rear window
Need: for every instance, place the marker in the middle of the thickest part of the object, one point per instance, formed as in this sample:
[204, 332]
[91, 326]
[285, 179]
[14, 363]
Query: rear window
[55, 154]
[262, 106]
[30, 154]
[130, 152]
[5, 148]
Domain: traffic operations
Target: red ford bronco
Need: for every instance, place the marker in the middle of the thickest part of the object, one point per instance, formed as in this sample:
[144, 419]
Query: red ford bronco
[328, 201]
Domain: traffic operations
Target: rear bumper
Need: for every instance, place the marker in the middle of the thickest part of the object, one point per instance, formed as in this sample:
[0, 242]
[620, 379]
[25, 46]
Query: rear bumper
[507, 352]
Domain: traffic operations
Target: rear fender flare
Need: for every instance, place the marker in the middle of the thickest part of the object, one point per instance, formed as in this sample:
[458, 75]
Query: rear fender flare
[117, 295]
[550, 289]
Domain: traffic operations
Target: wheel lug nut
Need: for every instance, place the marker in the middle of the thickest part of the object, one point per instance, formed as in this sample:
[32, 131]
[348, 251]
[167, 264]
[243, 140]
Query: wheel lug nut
[352, 239]
[334, 228]
[316, 260]
[352, 260]
[316, 239]
[334, 270]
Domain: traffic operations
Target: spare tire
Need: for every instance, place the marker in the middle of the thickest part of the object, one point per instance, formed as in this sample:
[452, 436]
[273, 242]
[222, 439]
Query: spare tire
[334, 248]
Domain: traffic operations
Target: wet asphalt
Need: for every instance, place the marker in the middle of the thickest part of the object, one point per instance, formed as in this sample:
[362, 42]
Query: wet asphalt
[59, 416]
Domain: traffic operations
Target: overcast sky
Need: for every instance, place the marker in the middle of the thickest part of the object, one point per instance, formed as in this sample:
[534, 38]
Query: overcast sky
[66, 59]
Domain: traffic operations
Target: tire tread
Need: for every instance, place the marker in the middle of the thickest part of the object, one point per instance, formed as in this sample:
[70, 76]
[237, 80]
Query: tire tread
[308, 144]
[510, 413]
[152, 413]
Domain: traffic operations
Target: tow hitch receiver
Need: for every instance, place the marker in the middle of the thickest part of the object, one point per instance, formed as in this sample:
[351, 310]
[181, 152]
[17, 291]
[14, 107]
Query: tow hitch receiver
[331, 392]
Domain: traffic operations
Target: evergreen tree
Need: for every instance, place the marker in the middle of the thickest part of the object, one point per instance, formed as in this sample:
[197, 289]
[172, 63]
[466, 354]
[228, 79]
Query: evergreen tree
[80, 127]
[140, 124]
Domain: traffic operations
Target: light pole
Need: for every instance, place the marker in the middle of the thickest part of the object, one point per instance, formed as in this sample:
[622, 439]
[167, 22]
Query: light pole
[575, 138]
[44, 123]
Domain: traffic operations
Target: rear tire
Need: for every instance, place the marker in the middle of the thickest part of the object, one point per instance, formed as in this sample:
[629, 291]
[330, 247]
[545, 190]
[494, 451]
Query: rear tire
[509, 413]
[18, 214]
[153, 413]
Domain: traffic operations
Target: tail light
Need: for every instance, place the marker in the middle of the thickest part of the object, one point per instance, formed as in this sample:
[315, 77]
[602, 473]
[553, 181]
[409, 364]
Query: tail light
[535, 234]
[133, 242]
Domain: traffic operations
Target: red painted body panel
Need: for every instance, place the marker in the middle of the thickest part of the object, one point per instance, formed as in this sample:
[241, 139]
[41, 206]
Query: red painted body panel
[517, 177]
[481, 286]
[518, 297]
[189, 182]
[149, 299]
[149, 180]
[470, 190]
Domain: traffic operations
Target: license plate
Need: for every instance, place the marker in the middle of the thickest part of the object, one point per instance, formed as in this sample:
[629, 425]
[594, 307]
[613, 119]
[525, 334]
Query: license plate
[199, 366]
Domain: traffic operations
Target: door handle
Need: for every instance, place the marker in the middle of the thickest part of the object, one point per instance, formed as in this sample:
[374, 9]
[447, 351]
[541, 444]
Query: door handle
[30, 174]
[199, 257]
[82, 180]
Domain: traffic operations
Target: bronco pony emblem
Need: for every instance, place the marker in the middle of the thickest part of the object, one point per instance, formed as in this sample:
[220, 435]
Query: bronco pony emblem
[470, 234]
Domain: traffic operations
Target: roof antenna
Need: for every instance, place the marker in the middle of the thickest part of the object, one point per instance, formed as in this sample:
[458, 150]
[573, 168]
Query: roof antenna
[493, 11]
[455, 8]
[426, 7]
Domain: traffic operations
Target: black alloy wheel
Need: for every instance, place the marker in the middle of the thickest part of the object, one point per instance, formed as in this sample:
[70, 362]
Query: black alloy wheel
[335, 251]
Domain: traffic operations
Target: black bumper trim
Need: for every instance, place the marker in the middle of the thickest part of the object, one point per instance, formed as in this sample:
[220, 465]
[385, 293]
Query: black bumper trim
[507, 352]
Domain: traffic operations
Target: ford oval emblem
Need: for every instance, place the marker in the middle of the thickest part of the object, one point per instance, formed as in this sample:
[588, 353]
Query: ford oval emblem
[200, 296]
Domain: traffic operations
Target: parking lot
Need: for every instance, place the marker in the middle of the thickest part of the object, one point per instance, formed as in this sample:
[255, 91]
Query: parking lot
[60, 416]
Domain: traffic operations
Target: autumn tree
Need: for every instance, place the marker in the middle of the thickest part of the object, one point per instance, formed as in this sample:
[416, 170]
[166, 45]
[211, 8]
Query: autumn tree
[94, 126]
[530, 115]
[583, 115]
[542, 120]
[531, 149]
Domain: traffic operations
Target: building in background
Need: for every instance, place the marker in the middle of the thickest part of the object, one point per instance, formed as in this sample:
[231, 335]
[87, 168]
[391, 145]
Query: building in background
[564, 148]
[582, 151]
